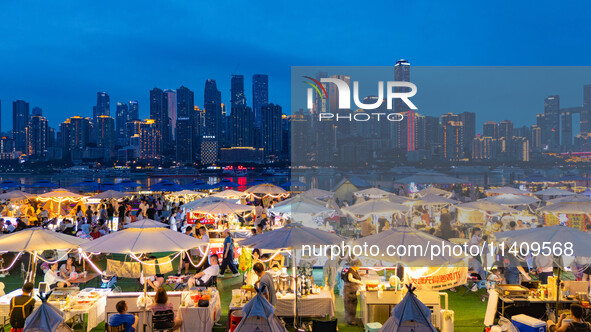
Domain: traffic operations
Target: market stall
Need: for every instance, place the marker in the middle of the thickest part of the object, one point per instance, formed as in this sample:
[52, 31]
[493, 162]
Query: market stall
[60, 202]
[35, 241]
[292, 238]
[137, 241]
[429, 272]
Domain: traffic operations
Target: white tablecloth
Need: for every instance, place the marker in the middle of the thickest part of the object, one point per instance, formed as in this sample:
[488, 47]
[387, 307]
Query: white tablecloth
[317, 305]
[201, 319]
[95, 312]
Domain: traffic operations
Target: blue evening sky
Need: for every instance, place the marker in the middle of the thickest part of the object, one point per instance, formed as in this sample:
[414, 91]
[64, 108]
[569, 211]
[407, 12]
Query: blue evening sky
[58, 54]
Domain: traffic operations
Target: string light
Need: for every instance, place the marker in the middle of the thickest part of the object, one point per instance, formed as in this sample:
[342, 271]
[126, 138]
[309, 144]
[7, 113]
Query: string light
[13, 262]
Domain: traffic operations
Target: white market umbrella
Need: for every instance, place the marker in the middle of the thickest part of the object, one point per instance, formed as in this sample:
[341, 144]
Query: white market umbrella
[143, 240]
[300, 208]
[222, 208]
[507, 190]
[318, 193]
[401, 200]
[374, 207]
[568, 207]
[512, 200]
[35, 240]
[60, 194]
[431, 199]
[38, 239]
[230, 194]
[372, 193]
[487, 206]
[300, 198]
[109, 194]
[267, 189]
[576, 198]
[433, 191]
[554, 192]
[16, 195]
[146, 223]
[205, 201]
[303, 212]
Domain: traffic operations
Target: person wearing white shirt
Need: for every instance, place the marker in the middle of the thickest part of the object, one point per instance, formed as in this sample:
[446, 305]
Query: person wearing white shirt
[8, 226]
[172, 222]
[545, 267]
[203, 277]
[53, 279]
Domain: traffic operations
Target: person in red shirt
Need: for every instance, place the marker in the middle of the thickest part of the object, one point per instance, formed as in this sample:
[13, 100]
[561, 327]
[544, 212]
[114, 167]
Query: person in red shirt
[95, 234]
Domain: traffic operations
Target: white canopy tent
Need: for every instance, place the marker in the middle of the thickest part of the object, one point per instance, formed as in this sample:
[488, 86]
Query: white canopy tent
[372, 193]
[512, 200]
[507, 190]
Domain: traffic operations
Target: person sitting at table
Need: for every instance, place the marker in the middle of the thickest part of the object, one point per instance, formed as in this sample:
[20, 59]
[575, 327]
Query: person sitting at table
[267, 280]
[67, 268]
[95, 234]
[161, 303]
[122, 317]
[578, 324]
[203, 277]
[53, 279]
[21, 307]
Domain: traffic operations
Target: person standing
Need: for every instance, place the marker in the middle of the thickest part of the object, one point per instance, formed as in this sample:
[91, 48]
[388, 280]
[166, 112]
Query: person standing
[266, 280]
[352, 284]
[228, 255]
[21, 307]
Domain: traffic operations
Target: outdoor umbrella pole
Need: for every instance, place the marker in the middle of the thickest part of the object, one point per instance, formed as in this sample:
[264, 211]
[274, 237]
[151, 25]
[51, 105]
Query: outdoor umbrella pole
[295, 289]
[557, 292]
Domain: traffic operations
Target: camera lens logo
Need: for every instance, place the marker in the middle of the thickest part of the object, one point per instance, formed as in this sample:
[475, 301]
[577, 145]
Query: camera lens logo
[316, 86]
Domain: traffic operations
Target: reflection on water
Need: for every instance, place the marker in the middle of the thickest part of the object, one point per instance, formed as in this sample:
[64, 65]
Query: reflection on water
[64, 181]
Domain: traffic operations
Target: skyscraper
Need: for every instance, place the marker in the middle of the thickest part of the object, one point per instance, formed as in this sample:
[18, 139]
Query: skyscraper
[260, 96]
[401, 74]
[186, 125]
[105, 132]
[453, 140]
[490, 129]
[20, 120]
[469, 121]
[506, 129]
[212, 101]
[550, 123]
[237, 96]
[37, 137]
[241, 117]
[271, 129]
[103, 105]
[242, 126]
[134, 110]
[75, 135]
[159, 113]
[121, 118]
[171, 97]
[150, 140]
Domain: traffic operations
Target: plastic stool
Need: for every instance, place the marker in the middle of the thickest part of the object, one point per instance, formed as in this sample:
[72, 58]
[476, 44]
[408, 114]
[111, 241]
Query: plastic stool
[373, 327]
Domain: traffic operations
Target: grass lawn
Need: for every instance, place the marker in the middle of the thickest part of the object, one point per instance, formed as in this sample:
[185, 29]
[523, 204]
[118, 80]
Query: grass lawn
[468, 310]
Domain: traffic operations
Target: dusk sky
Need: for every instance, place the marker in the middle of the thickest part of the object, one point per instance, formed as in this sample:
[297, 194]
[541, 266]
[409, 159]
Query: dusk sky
[58, 54]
